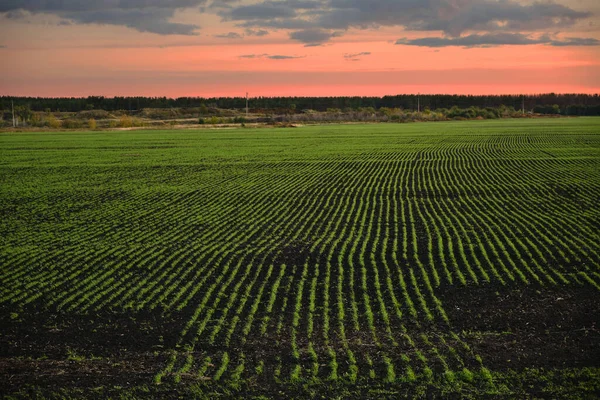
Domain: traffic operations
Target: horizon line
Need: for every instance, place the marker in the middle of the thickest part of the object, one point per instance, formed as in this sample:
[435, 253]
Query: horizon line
[242, 96]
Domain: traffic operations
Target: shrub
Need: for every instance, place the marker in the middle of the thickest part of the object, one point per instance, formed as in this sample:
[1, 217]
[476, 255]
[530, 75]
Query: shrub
[96, 114]
[92, 123]
[71, 124]
[125, 122]
[367, 110]
[493, 112]
[35, 120]
[52, 121]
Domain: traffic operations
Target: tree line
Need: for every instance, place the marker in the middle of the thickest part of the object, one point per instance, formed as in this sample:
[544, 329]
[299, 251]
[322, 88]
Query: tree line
[550, 103]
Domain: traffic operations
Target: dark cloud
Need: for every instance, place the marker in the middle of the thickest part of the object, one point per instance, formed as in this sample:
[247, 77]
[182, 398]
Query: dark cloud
[571, 41]
[271, 57]
[280, 57]
[496, 39]
[356, 56]
[285, 14]
[312, 36]
[315, 20]
[143, 20]
[508, 16]
[278, 23]
[256, 32]
[16, 14]
[306, 4]
[450, 16]
[261, 11]
[218, 4]
[229, 35]
[2, 46]
[268, 10]
[78, 5]
[253, 55]
[142, 15]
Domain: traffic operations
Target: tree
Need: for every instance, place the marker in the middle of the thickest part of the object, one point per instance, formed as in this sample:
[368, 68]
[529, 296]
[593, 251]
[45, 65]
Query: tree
[23, 112]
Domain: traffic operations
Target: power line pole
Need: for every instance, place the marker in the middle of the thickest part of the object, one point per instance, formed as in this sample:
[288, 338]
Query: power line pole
[12, 103]
[246, 104]
[523, 105]
[419, 102]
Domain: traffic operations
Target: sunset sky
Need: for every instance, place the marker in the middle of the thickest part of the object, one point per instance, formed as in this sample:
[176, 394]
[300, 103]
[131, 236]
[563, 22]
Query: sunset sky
[298, 47]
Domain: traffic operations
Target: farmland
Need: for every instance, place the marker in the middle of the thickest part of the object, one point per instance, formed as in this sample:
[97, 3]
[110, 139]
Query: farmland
[351, 260]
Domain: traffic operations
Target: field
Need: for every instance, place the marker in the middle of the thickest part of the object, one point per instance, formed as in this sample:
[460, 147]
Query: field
[388, 260]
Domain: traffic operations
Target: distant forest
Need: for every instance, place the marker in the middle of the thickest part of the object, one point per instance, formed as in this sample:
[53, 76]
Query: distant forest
[566, 104]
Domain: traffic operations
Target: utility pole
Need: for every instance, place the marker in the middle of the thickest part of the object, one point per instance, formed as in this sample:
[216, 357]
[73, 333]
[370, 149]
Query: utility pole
[419, 102]
[523, 105]
[12, 103]
[246, 104]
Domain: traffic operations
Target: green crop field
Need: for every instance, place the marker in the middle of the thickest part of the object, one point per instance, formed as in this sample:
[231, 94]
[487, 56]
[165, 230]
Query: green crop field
[388, 260]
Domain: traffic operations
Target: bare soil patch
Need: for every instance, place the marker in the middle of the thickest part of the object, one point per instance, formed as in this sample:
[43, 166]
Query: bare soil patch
[545, 327]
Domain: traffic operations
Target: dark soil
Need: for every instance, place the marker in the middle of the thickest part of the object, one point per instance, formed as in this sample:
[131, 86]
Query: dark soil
[53, 349]
[512, 329]
[533, 327]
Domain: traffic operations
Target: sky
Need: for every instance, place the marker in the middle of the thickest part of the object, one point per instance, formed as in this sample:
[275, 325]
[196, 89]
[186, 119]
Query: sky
[298, 47]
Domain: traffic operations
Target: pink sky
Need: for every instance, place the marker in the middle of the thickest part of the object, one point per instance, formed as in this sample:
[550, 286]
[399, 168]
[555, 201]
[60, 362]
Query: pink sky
[62, 53]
